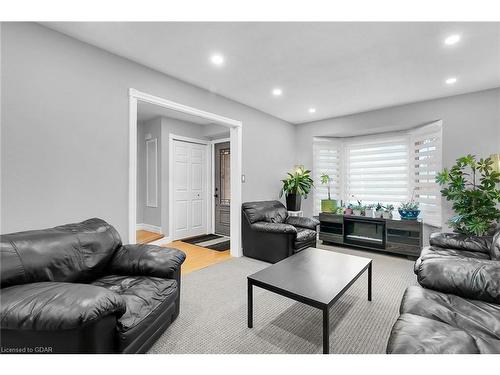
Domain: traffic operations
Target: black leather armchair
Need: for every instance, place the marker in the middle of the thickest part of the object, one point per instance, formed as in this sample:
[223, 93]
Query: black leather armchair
[456, 308]
[270, 234]
[76, 289]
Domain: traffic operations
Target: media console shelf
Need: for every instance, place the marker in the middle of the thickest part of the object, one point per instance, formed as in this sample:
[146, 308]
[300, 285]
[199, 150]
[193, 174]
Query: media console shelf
[392, 235]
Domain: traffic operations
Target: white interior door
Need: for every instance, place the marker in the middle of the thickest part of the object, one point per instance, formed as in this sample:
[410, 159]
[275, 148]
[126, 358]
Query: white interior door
[190, 189]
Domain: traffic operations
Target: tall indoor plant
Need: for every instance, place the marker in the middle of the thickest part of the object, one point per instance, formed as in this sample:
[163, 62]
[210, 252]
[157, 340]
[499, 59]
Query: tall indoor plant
[471, 186]
[328, 205]
[297, 184]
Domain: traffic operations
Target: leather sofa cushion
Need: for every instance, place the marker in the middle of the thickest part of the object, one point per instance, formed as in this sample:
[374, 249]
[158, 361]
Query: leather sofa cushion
[466, 277]
[461, 242]
[142, 296]
[150, 303]
[303, 222]
[303, 236]
[279, 228]
[495, 246]
[431, 252]
[50, 306]
[269, 211]
[146, 260]
[68, 253]
[413, 334]
[478, 318]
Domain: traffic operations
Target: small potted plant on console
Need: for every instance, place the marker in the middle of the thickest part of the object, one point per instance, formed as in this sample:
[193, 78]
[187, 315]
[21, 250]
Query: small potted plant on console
[358, 209]
[348, 209]
[409, 210]
[379, 210]
[369, 209]
[328, 205]
[387, 213]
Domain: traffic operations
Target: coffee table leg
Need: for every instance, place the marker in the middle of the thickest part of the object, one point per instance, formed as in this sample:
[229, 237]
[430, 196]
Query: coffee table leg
[250, 304]
[326, 330]
[370, 282]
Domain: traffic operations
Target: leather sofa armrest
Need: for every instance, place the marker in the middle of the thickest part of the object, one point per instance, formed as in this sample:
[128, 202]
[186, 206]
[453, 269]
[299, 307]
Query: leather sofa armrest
[147, 260]
[461, 242]
[472, 278]
[49, 306]
[281, 228]
[303, 222]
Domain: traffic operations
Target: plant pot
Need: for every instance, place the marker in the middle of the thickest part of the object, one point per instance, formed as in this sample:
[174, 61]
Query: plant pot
[356, 212]
[348, 211]
[369, 212]
[293, 202]
[387, 215]
[328, 205]
[409, 214]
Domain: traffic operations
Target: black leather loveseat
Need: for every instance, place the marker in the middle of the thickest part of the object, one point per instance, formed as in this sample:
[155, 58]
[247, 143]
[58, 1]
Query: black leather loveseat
[76, 289]
[456, 308]
[270, 234]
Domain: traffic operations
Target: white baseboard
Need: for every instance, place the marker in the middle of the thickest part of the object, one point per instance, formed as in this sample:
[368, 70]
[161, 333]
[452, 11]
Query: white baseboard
[149, 228]
[161, 241]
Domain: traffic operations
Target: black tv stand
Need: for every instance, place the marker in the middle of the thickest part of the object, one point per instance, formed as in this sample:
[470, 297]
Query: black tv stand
[391, 235]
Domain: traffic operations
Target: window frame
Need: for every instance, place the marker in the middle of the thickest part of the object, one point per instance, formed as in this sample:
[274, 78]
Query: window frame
[343, 145]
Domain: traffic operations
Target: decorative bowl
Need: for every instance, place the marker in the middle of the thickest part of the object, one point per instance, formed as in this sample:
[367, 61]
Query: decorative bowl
[409, 214]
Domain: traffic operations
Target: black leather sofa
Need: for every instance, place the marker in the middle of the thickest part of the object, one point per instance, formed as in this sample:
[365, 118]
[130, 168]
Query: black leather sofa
[76, 289]
[456, 308]
[271, 235]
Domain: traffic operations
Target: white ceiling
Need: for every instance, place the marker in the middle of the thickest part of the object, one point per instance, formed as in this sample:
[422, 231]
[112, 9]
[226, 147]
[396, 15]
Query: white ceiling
[338, 68]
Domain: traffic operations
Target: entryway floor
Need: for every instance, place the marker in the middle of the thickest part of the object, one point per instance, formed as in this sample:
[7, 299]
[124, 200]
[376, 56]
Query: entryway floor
[198, 257]
[144, 236]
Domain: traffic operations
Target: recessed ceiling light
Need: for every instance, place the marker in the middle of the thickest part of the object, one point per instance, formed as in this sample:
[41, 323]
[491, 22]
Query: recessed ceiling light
[312, 110]
[277, 92]
[452, 39]
[451, 80]
[217, 59]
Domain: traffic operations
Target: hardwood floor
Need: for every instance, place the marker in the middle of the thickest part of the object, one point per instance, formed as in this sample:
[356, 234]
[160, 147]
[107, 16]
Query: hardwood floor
[198, 257]
[144, 236]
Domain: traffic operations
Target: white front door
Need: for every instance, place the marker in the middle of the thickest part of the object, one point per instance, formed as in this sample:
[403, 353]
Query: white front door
[189, 188]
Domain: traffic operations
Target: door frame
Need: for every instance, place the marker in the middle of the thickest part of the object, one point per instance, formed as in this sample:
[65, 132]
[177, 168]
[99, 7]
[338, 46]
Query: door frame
[212, 158]
[236, 130]
[171, 138]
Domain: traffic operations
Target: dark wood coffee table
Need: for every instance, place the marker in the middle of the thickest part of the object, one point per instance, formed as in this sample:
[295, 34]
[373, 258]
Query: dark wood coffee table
[315, 277]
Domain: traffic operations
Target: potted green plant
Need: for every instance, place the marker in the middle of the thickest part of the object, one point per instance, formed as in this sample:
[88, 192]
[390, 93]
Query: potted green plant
[348, 209]
[379, 209]
[471, 186]
[297, 184]
[409, 210]
[387, 213]
[327, 205]
[369, 210]
[357, 209]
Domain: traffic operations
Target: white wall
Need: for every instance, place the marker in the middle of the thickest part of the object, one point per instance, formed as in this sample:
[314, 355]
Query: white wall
[65, 104]
[471, 124]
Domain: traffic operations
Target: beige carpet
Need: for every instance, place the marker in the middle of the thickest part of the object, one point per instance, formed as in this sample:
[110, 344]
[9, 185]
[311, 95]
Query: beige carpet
[213, 312]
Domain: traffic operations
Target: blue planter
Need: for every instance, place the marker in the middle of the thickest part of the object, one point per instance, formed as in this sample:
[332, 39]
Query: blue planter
[409, 214]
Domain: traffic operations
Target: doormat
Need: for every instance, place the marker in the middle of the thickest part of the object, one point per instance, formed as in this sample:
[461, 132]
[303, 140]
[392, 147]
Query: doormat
[210, 241]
